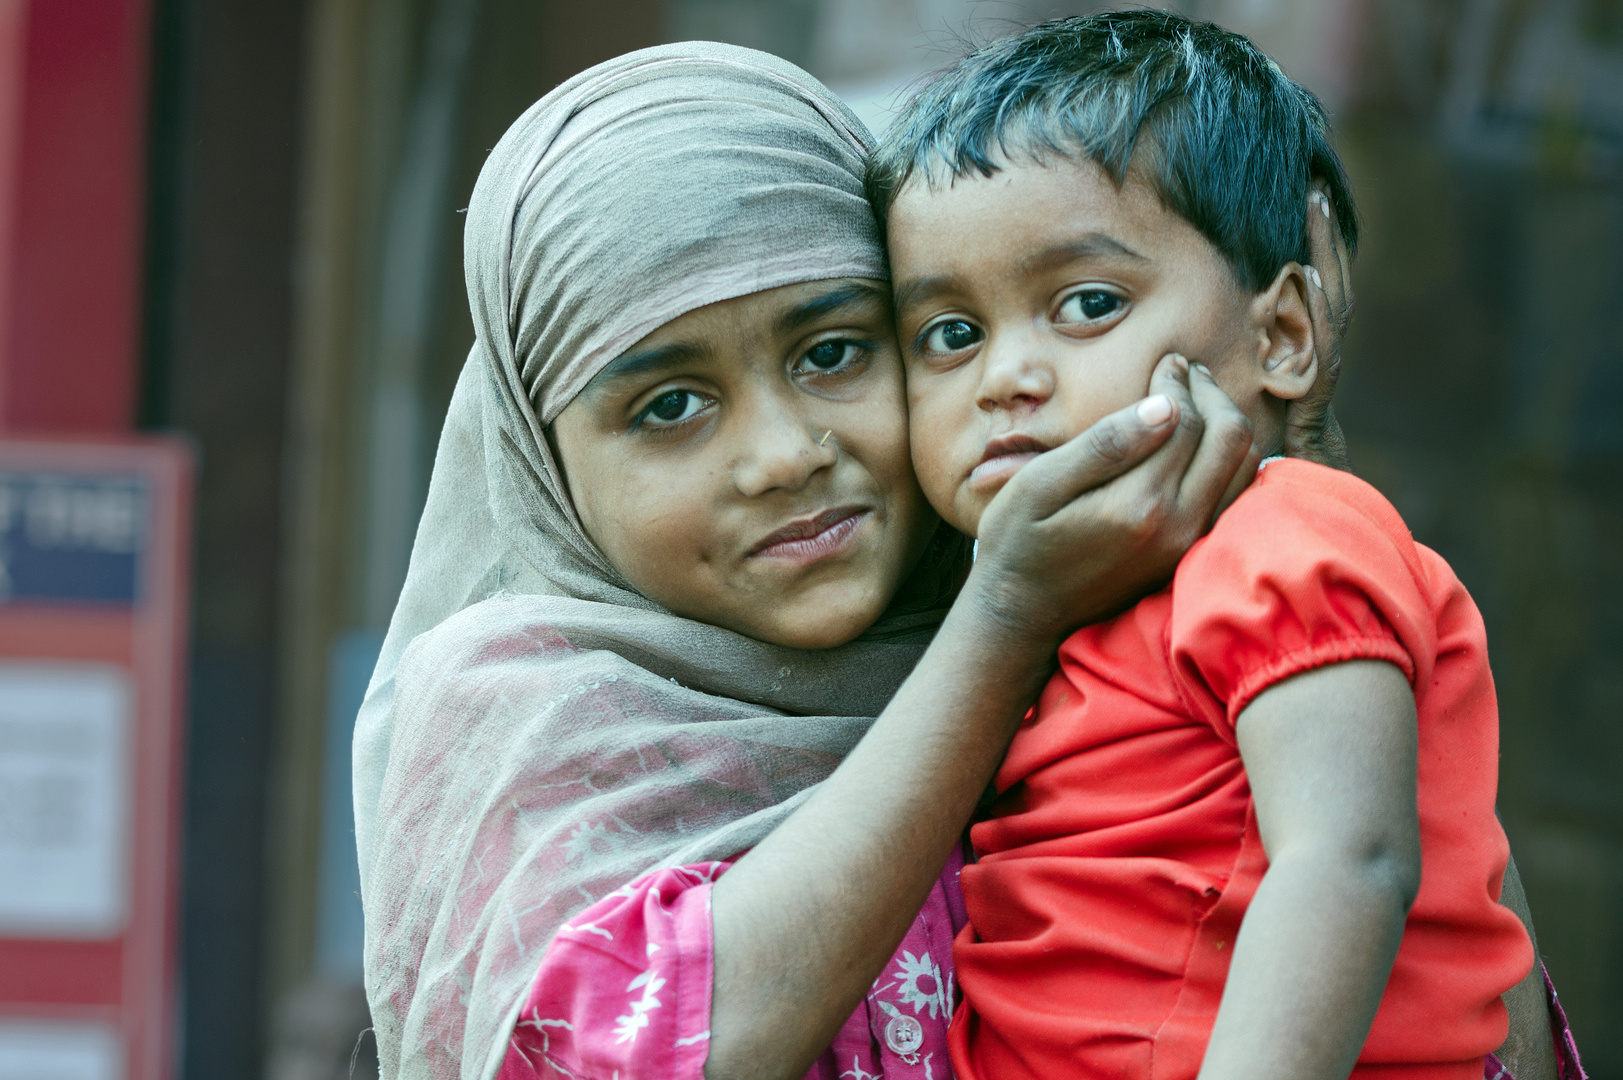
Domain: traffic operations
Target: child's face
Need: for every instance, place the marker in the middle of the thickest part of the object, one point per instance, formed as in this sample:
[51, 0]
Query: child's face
[746, 464]
[1036, 301]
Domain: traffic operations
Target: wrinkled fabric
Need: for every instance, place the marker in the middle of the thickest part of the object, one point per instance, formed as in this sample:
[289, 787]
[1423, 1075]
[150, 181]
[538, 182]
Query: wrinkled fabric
[537, 734]
[1567, 1064]
[624, 991]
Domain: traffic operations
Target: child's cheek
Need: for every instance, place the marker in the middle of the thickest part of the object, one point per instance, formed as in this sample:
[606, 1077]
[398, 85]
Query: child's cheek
[970, 523]
[932, 445]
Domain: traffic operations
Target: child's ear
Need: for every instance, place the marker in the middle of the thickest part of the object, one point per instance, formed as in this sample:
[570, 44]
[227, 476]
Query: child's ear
[1284, 325]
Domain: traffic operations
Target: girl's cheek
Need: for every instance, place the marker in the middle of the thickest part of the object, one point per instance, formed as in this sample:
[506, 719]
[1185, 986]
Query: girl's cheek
[646, 523]
[890, 460]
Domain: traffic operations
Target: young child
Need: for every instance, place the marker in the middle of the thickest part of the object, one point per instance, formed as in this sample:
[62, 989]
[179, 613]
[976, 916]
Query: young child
[1248, 831]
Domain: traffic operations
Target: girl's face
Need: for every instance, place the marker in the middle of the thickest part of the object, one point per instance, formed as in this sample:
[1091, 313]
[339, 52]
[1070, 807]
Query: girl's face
[746, 465]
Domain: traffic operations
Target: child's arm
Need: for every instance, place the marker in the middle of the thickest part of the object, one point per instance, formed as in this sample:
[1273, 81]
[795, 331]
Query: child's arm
[1331, 759]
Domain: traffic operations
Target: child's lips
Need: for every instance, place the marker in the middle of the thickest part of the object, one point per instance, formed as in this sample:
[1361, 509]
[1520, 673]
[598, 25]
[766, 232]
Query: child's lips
[995, 472]
[1003, 457]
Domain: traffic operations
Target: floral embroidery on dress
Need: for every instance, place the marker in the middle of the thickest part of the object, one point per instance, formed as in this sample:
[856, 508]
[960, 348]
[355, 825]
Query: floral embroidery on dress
[602, 1008]
[594, 838]
[651, 984]
[857, 1072]
[544, 1051]
[918, 983]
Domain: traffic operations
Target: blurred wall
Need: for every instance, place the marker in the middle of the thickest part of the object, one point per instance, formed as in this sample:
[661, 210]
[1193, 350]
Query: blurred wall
[72, 117]
[1484, 395]
[223, 147]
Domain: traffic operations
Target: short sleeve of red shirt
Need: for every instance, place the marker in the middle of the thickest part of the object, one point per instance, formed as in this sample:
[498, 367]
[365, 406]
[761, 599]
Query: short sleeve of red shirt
[1309, 567]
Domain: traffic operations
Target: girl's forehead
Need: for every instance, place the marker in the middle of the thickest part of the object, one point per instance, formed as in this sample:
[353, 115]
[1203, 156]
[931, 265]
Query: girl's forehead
[754, 319]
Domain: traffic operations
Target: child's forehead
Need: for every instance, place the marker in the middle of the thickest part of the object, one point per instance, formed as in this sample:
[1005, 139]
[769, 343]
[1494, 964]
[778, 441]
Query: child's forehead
[1030, 185]
[1037, 208]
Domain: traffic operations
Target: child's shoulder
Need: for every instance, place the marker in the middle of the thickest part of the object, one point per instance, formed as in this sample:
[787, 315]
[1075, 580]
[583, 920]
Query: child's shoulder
[1308, 525]
[1308, 567]
[1289, 490]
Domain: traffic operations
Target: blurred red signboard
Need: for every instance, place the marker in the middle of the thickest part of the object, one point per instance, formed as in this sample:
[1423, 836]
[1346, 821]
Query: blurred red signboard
[93, 606]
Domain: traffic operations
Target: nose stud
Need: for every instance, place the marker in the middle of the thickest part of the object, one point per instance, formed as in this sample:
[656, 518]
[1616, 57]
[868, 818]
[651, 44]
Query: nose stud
[824, 439]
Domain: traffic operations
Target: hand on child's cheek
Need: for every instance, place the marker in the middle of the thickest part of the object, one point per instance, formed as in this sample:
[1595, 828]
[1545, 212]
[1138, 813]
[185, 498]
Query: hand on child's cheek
[1036, 301]
[692, 452]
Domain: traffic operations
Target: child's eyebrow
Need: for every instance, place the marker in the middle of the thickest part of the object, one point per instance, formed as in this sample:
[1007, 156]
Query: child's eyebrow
[916, 292]
[1092, 246]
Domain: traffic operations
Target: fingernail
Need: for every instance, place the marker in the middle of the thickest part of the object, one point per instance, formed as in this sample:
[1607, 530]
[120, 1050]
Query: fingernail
[1202, 368]
[1313, 276]
[1180, 362]
[1324, 206]
[1155, 411]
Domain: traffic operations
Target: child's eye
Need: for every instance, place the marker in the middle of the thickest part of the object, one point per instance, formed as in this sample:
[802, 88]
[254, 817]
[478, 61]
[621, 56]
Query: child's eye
[950, 336]
[670, 408]
[833, 355]
[1089, 305]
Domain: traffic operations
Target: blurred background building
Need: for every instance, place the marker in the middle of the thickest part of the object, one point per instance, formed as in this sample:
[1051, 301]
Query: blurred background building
[297, 309]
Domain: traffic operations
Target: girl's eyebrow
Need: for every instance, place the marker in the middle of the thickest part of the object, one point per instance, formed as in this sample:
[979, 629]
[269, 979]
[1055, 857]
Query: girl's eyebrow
[630, 364]
[831, 301]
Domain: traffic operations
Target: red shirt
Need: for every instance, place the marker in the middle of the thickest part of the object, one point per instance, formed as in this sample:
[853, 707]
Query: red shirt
[1124, 848]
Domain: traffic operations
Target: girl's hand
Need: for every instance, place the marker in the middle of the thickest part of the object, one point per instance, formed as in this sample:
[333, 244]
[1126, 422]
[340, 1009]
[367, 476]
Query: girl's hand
[1311, 429]
[1092, 525]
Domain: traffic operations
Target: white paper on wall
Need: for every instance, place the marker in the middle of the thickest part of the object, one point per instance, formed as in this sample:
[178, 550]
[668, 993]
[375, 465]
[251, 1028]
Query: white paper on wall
[64, 800]
[50, 1050]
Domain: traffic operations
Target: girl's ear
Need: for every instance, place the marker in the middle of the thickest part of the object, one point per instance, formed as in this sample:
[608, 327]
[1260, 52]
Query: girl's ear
[1284, 323]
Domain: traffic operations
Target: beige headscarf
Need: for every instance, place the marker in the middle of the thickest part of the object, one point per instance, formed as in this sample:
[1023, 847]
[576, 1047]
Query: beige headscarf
[537, 734]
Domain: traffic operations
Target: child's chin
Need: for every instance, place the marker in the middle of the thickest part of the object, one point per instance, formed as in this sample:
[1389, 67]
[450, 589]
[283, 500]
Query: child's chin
[965, 514]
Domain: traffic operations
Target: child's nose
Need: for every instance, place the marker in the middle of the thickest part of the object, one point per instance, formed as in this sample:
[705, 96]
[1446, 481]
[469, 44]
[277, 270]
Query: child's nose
[1015, 375]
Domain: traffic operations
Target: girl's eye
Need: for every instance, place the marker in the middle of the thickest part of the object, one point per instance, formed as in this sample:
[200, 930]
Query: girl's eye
[1089, 305]
[670, 408]
[950, 336]
[829, 355]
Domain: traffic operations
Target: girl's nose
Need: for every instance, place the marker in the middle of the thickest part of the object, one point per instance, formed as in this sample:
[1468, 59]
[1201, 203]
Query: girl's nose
[784, 452]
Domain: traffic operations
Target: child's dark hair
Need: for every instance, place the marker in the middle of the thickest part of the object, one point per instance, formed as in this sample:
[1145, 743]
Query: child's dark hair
[1231, 145]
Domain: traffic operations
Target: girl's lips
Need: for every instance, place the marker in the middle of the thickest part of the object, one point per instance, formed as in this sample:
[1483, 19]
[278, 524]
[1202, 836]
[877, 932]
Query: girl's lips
[811, 540]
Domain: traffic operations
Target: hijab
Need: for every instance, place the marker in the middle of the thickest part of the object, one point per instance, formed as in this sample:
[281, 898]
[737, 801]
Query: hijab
[537, 734]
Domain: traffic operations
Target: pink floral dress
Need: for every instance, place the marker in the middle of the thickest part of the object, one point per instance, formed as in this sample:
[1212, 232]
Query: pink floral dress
[624, 991]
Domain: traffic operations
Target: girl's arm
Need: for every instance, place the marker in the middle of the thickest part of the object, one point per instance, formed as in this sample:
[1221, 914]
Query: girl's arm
[1311, 429]
[1330, 755]
[806, 920]
[1528, 1051]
